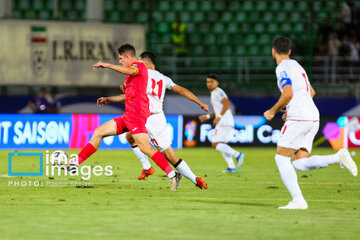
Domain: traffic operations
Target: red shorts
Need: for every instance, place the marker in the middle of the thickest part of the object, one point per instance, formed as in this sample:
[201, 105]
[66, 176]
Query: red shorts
[134, 125]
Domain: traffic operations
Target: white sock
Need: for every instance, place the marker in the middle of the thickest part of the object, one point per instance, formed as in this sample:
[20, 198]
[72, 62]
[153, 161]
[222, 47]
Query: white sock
[315, 162]
[224, 148]
[229, 160]
[185, 170]
[288, 176]
[142, 157]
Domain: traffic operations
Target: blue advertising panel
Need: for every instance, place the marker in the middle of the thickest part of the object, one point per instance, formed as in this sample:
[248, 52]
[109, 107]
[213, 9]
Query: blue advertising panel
[68, 131]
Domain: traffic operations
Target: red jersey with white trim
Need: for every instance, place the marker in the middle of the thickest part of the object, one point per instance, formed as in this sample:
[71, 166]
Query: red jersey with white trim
[137, 102]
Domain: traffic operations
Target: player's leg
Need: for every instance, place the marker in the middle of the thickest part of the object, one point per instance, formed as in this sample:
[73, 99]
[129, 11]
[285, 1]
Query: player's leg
[142, 140]
[107, 129]
[183, 168]
[302, 161]
[288, 144]
[221, 137]
[147, 168]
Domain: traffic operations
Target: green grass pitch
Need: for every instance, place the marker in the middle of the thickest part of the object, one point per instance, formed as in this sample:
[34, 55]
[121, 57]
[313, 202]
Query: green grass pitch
[241, 205]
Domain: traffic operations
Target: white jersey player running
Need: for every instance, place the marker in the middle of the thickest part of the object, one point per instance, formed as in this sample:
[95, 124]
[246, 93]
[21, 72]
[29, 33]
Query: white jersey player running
[224, 124]
[156, 123]
[300, 127]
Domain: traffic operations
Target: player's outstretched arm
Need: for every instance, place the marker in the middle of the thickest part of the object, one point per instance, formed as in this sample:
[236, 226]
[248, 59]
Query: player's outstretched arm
[105, 100]
[117, 68]
[189, 95]
[284, 99]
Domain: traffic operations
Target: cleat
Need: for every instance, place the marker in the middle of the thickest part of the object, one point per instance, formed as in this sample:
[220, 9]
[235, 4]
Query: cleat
[145, 173]
[174, 181]
[229, 170]
[240, 159]
[346, 161]
[295, 205]
[200, 183]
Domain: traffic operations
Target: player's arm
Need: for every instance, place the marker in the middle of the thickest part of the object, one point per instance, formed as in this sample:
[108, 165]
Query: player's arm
[226, 104]
[189, 95]
[203, 118]
[312, 91]
[121, 69]
[284, 100]
[105, 100]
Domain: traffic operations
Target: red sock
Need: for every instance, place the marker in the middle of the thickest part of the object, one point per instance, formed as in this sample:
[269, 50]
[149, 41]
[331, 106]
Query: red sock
[86, 152]
[160, 160]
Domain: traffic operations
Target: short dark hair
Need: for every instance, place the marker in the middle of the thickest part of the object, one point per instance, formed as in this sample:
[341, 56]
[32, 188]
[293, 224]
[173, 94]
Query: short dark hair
[149, 56]
[281, 45]
[213, 76]
[127, 48]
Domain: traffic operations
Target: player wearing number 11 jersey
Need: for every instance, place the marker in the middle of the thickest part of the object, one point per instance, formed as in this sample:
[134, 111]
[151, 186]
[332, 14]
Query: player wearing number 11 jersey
[301, 125]
[156, 122]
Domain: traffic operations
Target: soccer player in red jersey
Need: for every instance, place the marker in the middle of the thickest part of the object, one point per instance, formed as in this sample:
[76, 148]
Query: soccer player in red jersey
[136, 112]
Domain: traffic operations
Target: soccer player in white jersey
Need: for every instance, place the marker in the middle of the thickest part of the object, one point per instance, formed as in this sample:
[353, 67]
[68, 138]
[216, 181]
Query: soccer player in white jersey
[156, 123]
[301, 125]
[224, 124]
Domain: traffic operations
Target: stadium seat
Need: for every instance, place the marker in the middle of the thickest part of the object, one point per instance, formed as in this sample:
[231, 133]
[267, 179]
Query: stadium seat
[30, 14]
[108, 5]
[204, 27]
[225, 39]
[191, 27]
[206, 6]
[80, 5]
[235, 6]
[24, 5]
[240, 50]
[38, 5]
[142, 17]
[65, 5]
[226, 17]
[288, 6]
[197, 51]
[259, 28]
[157, 16]
[232, 28]
[218, 28]
[248, 6]
[210, 39]
[44, 15]
[198, 17]
[185, 16]
[136, 6]
[164, 6]
[268, 17]
[163, 27]
[261, 6]
[195, 38]
[178, 6]
[170, 17]
[192, 6]
[240, 17]
[219, 6]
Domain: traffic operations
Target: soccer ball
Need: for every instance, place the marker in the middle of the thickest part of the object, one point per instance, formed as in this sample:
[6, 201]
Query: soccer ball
[58, 158]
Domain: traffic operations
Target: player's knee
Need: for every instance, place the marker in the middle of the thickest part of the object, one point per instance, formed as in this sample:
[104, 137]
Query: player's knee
[130, 138]
[98, 132]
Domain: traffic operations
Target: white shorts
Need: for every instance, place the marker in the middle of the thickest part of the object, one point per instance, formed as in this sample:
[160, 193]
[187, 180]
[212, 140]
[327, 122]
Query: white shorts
[222, 134]
[156, 127]
[298, 134]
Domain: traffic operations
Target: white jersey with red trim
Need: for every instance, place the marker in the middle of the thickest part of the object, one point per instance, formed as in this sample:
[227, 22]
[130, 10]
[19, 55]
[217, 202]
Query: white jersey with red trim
[216, 96]
[157, 85]
[301, 106]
